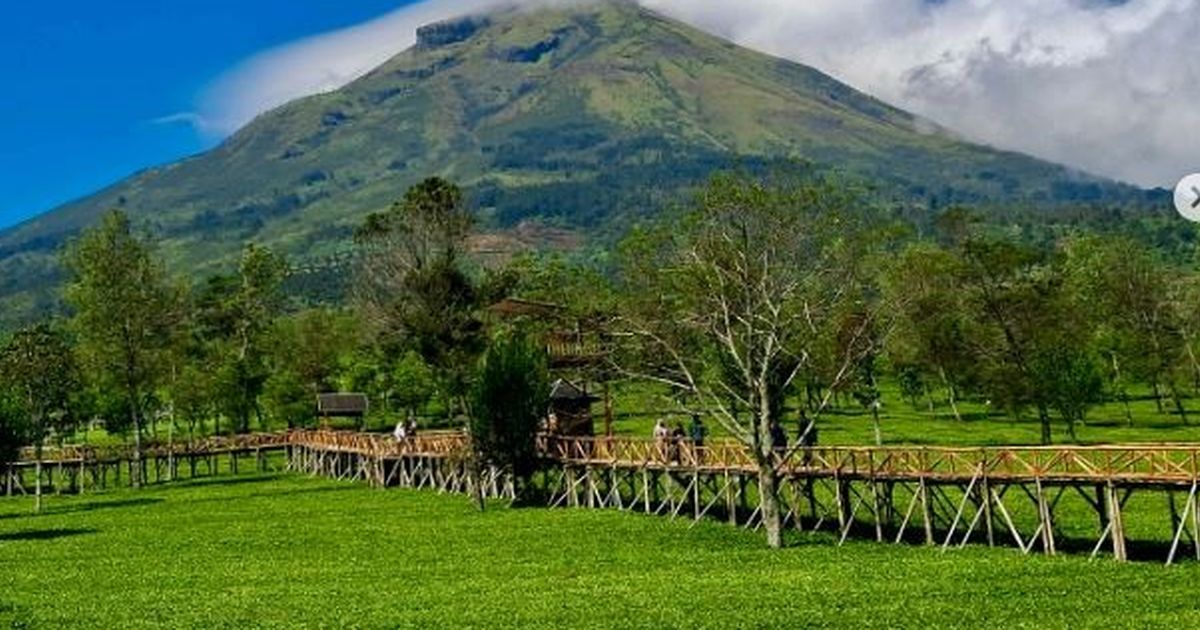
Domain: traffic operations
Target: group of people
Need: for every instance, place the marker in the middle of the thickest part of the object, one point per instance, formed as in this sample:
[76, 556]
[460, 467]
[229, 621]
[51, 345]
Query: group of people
[806, 433]
[405, 429]
[672, 441]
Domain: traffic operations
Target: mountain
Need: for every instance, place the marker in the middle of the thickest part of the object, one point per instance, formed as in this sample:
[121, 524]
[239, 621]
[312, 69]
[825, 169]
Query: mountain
[574, 118]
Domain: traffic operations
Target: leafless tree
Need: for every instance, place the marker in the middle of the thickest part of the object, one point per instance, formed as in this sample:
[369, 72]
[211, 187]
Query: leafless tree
[751, 290]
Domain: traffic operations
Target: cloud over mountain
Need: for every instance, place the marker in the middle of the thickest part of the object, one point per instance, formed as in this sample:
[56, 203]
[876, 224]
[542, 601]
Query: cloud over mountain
[1107, 86]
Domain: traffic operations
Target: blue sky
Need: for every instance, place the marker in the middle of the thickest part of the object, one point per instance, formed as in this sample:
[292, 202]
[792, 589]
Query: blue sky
[85, 80]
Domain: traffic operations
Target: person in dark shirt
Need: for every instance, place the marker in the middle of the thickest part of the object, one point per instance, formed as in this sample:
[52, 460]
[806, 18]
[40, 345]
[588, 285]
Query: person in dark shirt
[778, 437]
[677, 437]
[698, 432]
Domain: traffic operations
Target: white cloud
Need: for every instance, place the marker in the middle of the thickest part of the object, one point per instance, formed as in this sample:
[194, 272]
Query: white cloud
[1109, 87]
[321, 63]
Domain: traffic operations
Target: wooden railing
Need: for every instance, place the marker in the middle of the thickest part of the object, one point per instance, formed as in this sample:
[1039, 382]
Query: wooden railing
[1171, 463]
[215, 444]
[1147, 464]
[432, 444]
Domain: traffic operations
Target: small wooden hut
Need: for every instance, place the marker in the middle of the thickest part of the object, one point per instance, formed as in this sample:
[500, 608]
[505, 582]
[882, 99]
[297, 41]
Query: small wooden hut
[342, 406]
[570, 410]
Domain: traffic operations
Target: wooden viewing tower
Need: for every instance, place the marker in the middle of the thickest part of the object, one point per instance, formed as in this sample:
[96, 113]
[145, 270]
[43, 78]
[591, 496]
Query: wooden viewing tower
[577, 349]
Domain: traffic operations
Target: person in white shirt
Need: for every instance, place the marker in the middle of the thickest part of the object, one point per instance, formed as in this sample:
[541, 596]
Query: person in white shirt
[661, 436]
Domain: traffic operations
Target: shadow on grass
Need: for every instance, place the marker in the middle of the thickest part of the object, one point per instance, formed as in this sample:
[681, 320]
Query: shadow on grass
[302, 491]
[204, 482]
[44, 534]
[93, 506]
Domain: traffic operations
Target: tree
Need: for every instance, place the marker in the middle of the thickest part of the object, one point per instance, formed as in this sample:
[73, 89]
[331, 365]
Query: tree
[508, 401]
[412, 383]
[287, 397]
[304, 355]
[734, 302]
[235, 315]
[12, 427]
[411, 287]
[1069, 381]
[38, 364]
[1133, 301]
[931, 338]
[1030, 321]
[124, 314]
[193, 395]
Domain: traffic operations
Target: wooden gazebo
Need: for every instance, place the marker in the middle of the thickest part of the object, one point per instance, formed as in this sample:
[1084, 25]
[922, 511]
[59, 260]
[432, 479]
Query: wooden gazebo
[342, 406]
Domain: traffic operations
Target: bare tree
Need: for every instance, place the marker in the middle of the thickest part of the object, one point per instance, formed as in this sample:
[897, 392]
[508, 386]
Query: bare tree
[732, 304]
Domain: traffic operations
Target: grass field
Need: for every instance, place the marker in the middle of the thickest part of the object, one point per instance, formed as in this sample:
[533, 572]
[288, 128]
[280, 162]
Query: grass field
[904, 423]
[290, 552]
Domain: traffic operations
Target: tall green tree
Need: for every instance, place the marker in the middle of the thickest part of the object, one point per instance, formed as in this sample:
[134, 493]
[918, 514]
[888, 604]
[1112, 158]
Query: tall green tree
[305, 355]
[124, 312]
[1133, 300]
[412, 288]
[412, 383]
[508, 402]
[235, 317]
[13, 433]
[931, 342]
[38, 364]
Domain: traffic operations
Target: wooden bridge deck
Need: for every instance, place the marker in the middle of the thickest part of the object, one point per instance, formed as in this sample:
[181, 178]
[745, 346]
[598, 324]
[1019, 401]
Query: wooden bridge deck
[1165, 464]
[946, 496]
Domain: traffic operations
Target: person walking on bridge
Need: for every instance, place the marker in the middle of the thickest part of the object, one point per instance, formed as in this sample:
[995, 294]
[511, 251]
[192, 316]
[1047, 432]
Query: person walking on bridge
[698, 431]
[779, 438]
[677, 437]
[661, 435]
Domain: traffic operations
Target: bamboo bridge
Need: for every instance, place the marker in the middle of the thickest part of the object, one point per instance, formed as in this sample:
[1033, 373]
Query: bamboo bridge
[1094, 499]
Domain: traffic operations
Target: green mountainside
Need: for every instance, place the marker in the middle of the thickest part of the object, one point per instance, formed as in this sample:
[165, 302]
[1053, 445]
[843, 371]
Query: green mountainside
[576, 118]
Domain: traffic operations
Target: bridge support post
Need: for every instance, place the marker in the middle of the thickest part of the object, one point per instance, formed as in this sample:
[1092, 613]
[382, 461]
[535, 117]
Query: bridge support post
[1116, 519]
[926, 511]
[988, 517]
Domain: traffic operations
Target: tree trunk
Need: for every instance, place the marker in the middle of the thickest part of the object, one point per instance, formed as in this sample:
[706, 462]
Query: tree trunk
[1044, 418]
[769, 501]
[171, 446]
[37, 484]
[767, 481]
[1121, 391]
[136, 476]
[1157, 395]
[875, 421]
[476, 473]
[1177, 399]
[951, 395]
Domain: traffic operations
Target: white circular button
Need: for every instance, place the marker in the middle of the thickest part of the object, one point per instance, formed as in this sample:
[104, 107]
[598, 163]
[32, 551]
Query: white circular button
[1187, 197]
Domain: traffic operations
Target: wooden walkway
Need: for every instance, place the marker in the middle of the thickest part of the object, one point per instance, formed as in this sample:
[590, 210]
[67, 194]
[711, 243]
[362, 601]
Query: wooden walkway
[1097, 500]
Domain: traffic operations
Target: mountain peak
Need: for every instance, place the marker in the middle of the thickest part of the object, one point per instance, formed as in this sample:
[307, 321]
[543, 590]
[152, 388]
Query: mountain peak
[577, 116]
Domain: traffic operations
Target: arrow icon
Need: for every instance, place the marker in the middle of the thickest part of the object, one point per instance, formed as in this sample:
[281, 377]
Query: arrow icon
[1187, 197]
